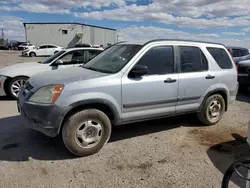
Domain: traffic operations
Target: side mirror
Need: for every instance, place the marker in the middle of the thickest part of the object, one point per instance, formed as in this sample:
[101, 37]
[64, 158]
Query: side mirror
[59, 62]
[138, 71]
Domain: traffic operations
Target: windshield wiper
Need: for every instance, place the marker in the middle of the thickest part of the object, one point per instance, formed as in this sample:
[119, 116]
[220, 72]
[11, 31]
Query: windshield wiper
[97, 70]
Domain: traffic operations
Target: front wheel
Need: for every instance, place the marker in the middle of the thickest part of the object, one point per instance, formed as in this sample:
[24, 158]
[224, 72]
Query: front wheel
[55, 52]
[15, 86]
[32, 54]
[85, 132]
[213, 110]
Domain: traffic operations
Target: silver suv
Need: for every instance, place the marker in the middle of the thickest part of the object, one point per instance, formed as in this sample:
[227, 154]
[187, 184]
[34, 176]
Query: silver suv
[129, 82]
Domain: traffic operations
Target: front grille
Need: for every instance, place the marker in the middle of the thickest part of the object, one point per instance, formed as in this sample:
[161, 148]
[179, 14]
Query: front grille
[243, 70]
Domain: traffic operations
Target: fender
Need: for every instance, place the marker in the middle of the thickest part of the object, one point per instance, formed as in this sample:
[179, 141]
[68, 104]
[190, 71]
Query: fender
[98, 101]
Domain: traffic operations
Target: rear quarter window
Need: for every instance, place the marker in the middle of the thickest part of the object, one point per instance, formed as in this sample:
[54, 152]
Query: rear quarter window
[221, 57]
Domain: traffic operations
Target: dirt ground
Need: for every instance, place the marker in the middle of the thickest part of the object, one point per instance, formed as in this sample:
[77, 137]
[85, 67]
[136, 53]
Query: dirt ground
[172, 152]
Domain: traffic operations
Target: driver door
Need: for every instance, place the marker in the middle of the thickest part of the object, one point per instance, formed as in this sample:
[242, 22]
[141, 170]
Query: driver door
[154, 94]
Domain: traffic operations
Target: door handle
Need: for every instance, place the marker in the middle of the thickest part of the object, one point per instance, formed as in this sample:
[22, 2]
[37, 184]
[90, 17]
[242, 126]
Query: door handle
[169, 80]
[210, 77]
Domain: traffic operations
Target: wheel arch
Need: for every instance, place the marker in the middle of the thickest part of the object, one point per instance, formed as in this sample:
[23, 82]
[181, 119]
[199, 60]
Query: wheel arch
[221, 91]
[100, 104]
[8, 79]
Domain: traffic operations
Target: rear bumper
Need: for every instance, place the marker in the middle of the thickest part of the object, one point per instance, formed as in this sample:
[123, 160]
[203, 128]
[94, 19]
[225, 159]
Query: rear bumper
[46, 119]
[244, 79]
[2, 80]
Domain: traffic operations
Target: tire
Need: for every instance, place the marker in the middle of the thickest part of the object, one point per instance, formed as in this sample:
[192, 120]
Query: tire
[15, 85]
[86, 123]
[55, 52]
[32, 54]
[211, 108]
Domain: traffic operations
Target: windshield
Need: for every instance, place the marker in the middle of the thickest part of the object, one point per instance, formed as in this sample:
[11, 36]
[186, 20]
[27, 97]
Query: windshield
[51, 58]
[113, 59]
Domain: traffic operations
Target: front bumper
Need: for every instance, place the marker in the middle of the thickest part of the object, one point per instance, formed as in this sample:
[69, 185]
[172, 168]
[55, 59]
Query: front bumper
[45, 118]
[244, 79]
[2, 80]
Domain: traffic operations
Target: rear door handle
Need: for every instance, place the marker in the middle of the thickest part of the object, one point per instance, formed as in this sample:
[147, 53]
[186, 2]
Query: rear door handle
[169, 80]
[210, 77]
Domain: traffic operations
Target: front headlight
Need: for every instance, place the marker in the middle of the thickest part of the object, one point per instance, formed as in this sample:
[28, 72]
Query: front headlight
[47, 94]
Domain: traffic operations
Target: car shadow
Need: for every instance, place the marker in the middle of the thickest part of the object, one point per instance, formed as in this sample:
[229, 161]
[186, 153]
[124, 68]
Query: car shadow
[224, 154]
[20, 144]
[6, 98]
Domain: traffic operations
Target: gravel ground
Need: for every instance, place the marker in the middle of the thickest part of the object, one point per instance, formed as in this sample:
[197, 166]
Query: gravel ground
[166, 153]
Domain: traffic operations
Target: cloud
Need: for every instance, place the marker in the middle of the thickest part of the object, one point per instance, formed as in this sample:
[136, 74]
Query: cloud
[144, 13]
[247, 29]
[13, 27]
[150, 33]
[55, 6]
[184, 13]
[234, 33]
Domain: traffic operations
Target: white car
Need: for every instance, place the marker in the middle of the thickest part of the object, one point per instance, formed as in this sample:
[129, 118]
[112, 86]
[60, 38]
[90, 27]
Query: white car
[26, 46]
[43, 50]
[13, 77]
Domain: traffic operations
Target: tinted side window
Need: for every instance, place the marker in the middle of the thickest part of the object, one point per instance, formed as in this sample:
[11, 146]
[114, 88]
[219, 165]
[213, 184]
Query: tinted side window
[237, 53]
[221, 57]
[159, 60]
[192, 59]
[245, 52]
[43, 47]
[74, 57]
[50, 46]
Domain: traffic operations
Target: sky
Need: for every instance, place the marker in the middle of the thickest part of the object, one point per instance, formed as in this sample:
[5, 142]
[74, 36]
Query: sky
[224, 21]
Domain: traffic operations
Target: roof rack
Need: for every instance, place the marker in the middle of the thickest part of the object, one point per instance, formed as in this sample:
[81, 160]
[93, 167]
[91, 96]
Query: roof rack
[181, 40]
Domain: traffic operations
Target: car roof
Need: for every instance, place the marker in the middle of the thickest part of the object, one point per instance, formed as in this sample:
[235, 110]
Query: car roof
[48, 44]
[145, 42]
[83, 48]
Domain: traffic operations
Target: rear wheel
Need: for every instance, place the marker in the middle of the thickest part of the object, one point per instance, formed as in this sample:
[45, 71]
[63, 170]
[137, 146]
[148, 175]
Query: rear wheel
[32, 54]
[55, 52]
[213, 110]
[15, 85]
[85, 132]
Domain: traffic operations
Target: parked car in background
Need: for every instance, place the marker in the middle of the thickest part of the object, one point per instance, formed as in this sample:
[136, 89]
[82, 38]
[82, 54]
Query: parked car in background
[244, 73]
[43, 50]
[13, 77]
[129, 82]
[26, 46]
[239, 53]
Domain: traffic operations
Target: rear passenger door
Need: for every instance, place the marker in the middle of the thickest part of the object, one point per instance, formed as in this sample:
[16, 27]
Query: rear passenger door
[194, 78]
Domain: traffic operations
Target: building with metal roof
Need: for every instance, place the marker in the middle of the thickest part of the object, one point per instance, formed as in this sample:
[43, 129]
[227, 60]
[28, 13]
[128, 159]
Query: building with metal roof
[68, 34]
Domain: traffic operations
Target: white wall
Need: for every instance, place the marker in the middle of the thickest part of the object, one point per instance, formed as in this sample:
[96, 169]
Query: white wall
[38, 34]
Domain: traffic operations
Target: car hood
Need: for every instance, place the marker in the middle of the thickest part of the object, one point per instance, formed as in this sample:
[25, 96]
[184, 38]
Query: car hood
[64, 76]
[20, 68]
[245, 62]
